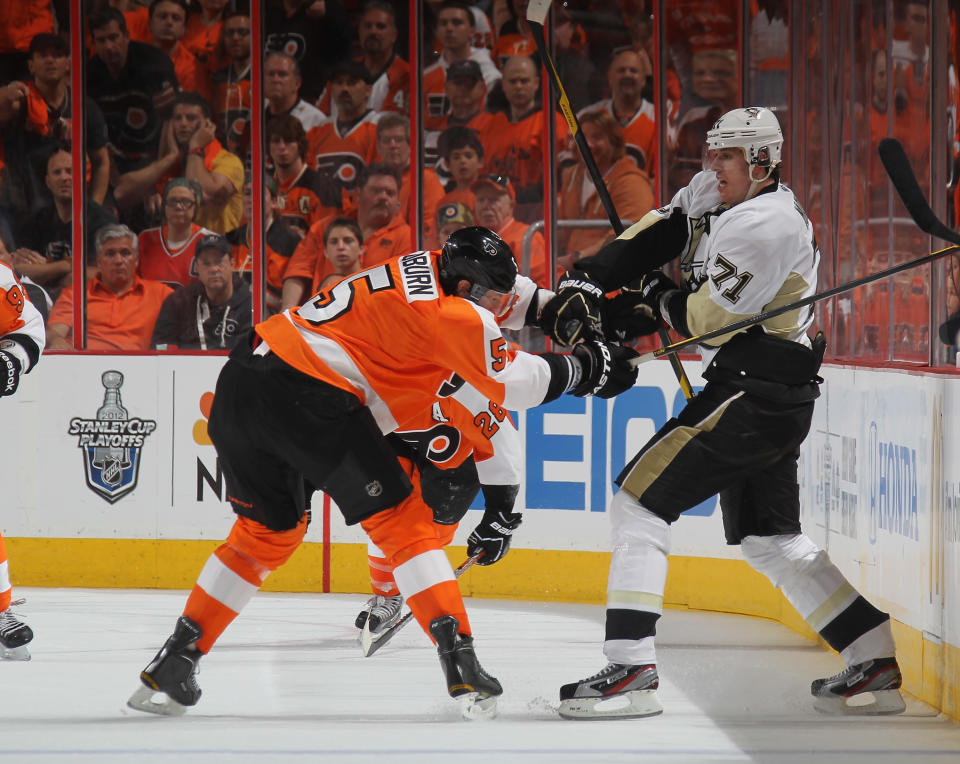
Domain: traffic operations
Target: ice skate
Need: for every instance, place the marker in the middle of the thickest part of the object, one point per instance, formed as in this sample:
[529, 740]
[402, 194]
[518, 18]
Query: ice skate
[15, 635]
[467, 682]
[616, 692]
[380, 612]
[870, 688]
[169, 682]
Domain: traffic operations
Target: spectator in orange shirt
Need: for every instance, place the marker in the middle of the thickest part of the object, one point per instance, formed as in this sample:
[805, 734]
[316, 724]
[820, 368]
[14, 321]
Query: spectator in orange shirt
[122, 308]
[390, 73]
[496, 200]
[168, 19]
[466, 93]
[393, 147]
[514, 37]
[202, 35]
[343, 248]
[629, 187]
[137, 16]
[230, 101]
[385, 234]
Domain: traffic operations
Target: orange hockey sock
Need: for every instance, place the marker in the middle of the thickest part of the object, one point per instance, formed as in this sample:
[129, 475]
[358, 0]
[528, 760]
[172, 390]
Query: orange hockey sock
[6, 591]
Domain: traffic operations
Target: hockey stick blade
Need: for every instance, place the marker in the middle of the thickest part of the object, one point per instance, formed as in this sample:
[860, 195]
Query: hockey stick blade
[901, 174]
[368, 646]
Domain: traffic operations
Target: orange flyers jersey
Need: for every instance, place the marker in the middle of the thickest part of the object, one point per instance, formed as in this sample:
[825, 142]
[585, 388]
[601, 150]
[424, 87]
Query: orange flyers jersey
[390, 335]
[342, 156]
[515, 148]
[20, 323]
[388, 92]
[161, 262]
[306, 198]
[231, 108]
[639, 132]
[465, 424]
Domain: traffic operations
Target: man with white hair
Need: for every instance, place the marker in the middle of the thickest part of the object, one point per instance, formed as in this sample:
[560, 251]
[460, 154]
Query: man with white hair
[745, 245]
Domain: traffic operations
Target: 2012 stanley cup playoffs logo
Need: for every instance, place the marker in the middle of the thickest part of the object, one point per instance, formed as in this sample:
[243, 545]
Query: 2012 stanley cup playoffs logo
[111, 443]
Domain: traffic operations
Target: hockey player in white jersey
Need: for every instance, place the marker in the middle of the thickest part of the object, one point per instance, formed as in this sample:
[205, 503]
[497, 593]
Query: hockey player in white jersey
[745, 246]
[21, 342]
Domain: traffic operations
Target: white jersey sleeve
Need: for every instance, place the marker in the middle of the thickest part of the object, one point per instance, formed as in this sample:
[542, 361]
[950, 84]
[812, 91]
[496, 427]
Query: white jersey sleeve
[527, 292]
[21, 326]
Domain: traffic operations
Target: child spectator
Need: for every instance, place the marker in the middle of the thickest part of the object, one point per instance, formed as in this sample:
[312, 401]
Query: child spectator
[343, 249]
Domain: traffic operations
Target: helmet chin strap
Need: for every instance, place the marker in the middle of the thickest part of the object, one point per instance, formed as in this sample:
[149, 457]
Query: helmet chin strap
[755, 184]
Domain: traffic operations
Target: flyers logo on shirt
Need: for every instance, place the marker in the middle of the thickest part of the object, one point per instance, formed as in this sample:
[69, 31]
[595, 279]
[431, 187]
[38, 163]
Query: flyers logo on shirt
[111, 443]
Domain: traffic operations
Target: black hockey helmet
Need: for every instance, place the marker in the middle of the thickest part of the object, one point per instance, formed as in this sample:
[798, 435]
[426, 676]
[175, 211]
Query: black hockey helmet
[481, 257]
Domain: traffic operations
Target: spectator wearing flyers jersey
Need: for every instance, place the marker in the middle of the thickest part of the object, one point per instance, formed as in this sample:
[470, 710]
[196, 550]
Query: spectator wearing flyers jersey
[282, 81]
[627, 77]
[166, 252]
[134, 85]
[514, 37]
[230, 101]
[342, 147]
[303, 195]
[202, 35]
[385, 233]
[466, 93]
[281, 241]
[515, 145]
[168, 19]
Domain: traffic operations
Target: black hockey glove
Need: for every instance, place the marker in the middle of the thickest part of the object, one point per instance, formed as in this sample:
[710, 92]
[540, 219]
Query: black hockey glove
[573, 314]
[606, 371]
[627, 316]
[492, 535]
[9, 373]
[653, 286]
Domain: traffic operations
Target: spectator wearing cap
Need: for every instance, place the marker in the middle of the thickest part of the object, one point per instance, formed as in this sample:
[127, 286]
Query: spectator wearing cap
[303, 195]
[451, 217]
[166, 252]
[213, 312]
[168, 22]
[189, 149]
[496, 200]
[282, 81]
[343, 249]
[45, 239]
[385, 234]
[393, 148]
[455, 27]
[231, 85]
[134, 84]
[629, 187]
[281, 241]
[346, 144]
[35, 119]
[465, 93]
[121, 306]
[515, 148]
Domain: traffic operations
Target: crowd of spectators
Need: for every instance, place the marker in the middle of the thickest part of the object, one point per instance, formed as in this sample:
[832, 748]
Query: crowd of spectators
[167, 137]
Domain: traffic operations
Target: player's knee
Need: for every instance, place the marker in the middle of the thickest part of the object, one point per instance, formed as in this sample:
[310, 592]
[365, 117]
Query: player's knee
[782, 557]
[634, 523]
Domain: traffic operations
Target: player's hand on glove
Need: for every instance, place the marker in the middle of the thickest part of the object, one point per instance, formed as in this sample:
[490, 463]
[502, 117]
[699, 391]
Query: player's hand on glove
[492, 535]
[653, 286]
[627, 316]
[574, 313]
[606, 371]
[10, 370]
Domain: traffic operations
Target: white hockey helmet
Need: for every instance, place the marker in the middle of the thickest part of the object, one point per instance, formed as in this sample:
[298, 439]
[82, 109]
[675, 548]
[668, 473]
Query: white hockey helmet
[754, 129]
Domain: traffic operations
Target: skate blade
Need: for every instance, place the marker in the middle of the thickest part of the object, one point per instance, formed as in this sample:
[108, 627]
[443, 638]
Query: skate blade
[21, 653]
[876, 703]
[476, 706]
[636, 704]
[155, 702]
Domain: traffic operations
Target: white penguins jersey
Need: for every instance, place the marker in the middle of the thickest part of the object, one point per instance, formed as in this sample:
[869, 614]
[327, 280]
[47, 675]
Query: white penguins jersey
[746, 259]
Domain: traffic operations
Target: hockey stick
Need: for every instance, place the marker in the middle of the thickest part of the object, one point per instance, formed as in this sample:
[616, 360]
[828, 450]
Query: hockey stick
[905, 184]
[536, 16]
[367, 644]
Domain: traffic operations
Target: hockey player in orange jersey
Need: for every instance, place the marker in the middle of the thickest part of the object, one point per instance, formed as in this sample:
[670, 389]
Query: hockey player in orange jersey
[21, 342]
[305, 405]
[463, 443]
